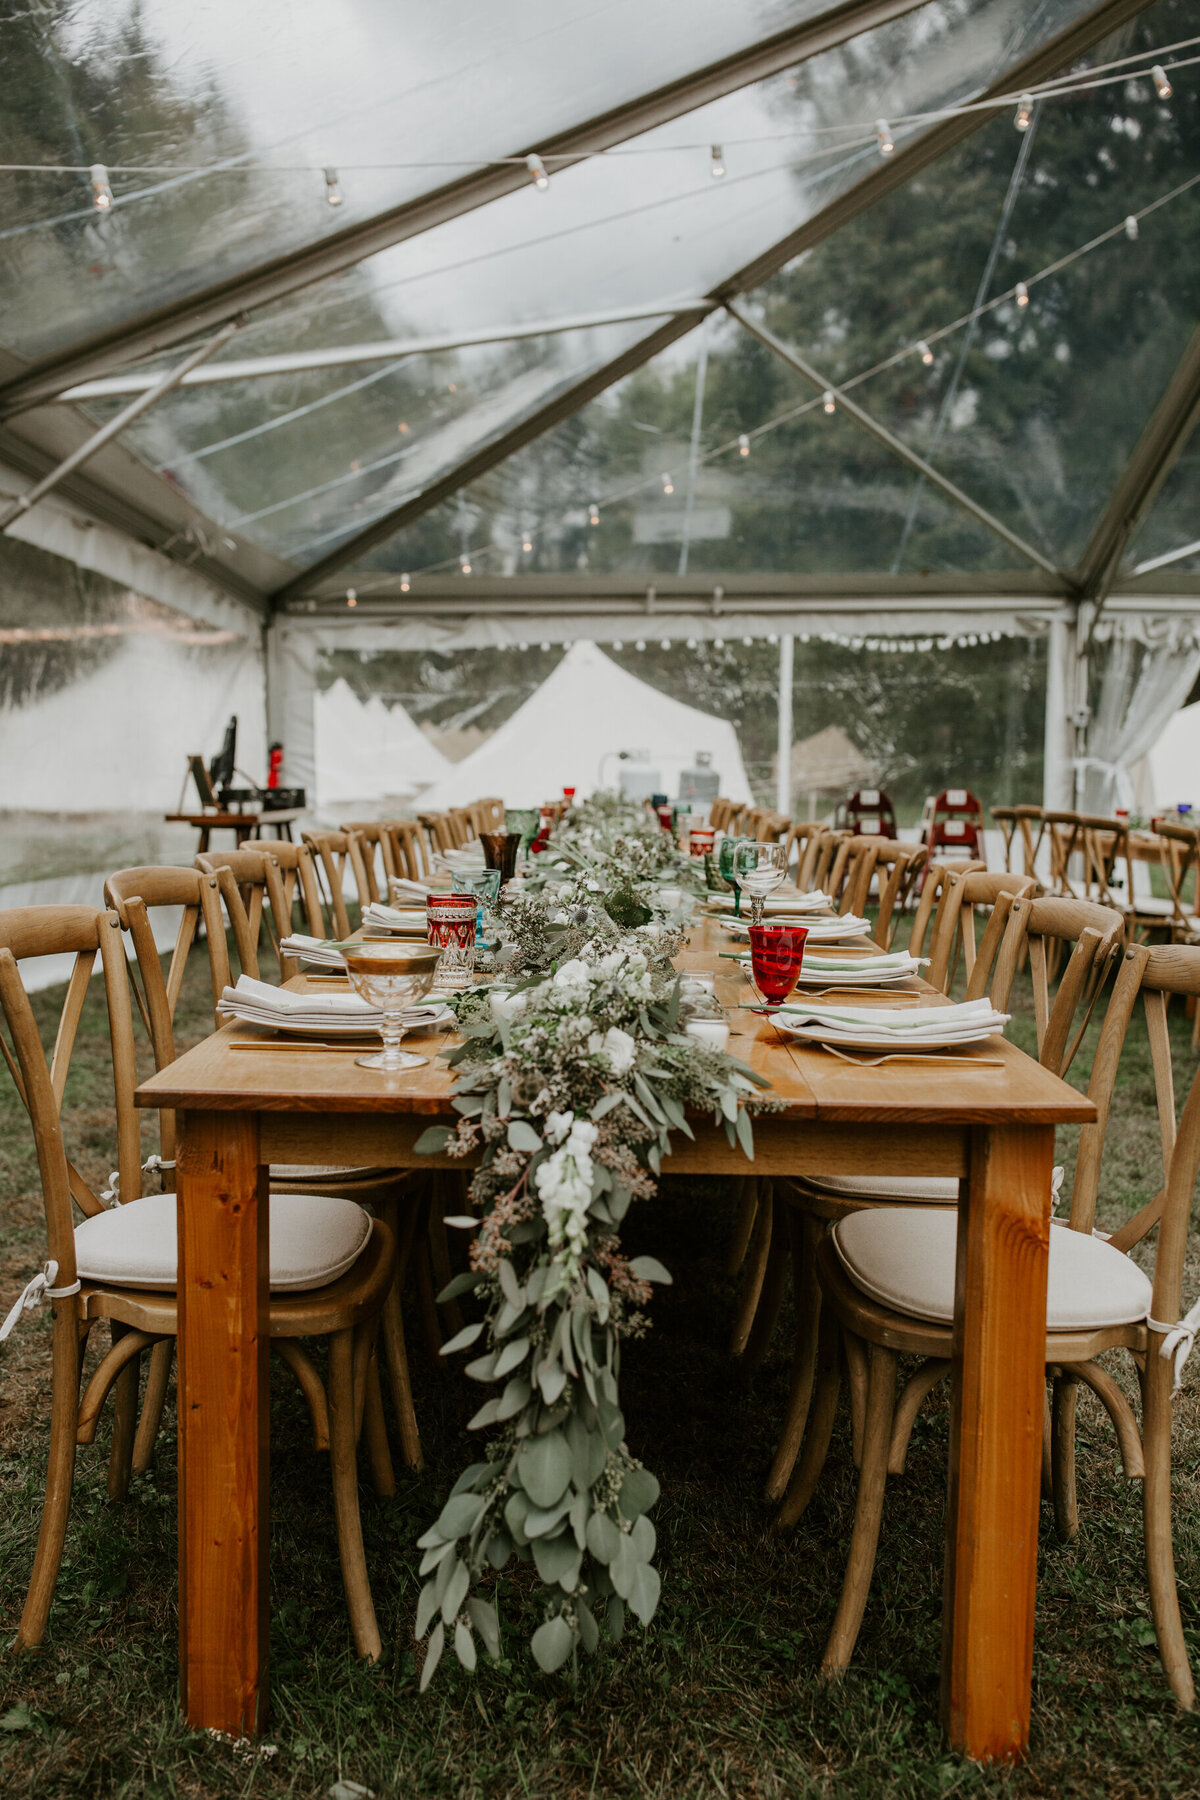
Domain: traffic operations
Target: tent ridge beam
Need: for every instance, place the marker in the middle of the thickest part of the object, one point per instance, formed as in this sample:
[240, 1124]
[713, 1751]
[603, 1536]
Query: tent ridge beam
[174, 323]
[896, 445]
[908, 160]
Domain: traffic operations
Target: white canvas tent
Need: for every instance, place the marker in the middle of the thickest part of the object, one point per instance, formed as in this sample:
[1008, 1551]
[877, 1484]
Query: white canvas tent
[571, 729]
[1174, 761]
[369, 751]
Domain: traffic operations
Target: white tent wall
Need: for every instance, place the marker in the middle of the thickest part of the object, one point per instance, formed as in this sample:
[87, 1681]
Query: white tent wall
[369, 751]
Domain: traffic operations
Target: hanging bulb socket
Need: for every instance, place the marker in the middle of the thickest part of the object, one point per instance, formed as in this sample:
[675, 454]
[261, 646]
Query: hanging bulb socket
[351, 597]
[926, 353]
[668, 484]
[1024, 118]
[717, 165]
[828, 401]
[464, 564]
[527, 545]
[102, 194]
[1021, 294]
[537, 172]
[333, 191]
[1132, 230]
[1162, 86]
[593, 512]
[405, 584]
[743, 444]
[883, 133]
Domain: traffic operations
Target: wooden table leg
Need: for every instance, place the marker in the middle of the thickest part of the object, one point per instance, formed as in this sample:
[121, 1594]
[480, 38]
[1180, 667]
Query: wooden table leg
[996, 1441]
[223, 1421]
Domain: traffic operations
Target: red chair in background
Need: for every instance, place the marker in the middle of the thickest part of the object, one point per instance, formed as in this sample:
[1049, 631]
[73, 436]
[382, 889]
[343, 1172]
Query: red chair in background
[954, 830]
[870, 813]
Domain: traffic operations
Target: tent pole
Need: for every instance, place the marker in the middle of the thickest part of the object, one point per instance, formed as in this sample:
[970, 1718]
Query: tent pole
[783, 760]
[694, 450]
[1058, 787]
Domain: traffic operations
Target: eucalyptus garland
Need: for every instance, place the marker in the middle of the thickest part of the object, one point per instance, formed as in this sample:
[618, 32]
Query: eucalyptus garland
[569, 1084]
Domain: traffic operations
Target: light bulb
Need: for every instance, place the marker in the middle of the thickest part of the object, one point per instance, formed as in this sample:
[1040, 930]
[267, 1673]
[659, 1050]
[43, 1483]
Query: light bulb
[402, 428]
[718, 163]
[668, 484]
[102, 194]
[545, 644]
[464, 563]
[527, 545]
[883, 133]
[1022, 294]
[1024, 118]
[743, 444]
[1131, 228]
[351, 597]
[926, 352]
[537, 171]
[593, 513]
[617, 644]
[405, 584]
[333, 192]
[641, 644]
[1162, 86]
[664, 643]
[718, 643]
[691, 643]
[747, 641]
[828, 401]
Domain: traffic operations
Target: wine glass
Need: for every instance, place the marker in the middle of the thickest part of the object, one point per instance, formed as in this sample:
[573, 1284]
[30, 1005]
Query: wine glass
[390, 976]
[758, 870]
[726, 863]
[776, 958]
[525, 820]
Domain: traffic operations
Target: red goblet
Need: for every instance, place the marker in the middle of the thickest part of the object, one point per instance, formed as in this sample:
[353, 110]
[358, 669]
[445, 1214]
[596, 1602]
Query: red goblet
[776, 956]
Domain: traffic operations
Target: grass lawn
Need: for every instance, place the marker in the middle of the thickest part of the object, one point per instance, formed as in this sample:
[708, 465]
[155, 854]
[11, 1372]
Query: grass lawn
[720, 1697]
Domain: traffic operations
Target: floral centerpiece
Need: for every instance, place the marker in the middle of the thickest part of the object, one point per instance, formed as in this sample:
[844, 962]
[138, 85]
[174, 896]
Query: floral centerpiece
[569, 1085]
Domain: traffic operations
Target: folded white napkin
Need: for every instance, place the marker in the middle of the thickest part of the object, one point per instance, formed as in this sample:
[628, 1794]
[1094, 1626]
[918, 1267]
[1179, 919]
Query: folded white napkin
[409, 919]
[258, 1003]
[897, 961]
[813, 901]
[410, 890]
[323, 953]
[830, 930]
[969, 1018]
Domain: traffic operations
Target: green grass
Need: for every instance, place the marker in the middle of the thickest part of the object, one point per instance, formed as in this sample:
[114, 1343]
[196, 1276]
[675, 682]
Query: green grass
[719, 1698]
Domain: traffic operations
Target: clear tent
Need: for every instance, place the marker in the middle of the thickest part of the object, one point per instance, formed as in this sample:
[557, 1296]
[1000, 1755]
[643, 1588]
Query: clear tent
[785, 310]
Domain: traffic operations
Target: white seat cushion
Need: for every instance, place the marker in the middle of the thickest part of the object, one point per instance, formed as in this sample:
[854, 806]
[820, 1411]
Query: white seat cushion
[904, 1256]
[323, 1172]
[942, 1190]
[314, 1239]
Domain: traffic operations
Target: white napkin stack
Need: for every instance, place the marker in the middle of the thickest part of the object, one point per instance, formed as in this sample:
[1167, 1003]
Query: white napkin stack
[257, 1003]
[854, 971]
[834, 931]
[813, 901]
[410, 920]
[322, 953]
[410, 890]
[471, 857]
[972, 1019]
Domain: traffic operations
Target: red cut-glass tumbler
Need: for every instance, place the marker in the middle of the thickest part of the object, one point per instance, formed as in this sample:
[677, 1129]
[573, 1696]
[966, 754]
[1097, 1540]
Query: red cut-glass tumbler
[776, 956]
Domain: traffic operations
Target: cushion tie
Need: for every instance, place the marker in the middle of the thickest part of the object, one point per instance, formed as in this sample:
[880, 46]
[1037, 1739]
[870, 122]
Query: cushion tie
[31, 1296]
[153, 1165]
[1177, 1342]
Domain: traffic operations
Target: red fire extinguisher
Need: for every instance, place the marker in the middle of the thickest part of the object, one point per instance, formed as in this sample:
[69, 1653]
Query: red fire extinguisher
[274, 765]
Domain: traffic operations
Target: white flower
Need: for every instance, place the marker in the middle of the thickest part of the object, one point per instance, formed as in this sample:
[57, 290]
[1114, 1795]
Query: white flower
[564, 1185]
[557, 1125]
[620, 1049]
[573, 983]
[505, 1006]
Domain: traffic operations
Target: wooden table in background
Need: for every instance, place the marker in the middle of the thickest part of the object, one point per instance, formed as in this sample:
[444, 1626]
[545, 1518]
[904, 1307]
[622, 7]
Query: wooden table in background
[242, 824]
[994, 1127]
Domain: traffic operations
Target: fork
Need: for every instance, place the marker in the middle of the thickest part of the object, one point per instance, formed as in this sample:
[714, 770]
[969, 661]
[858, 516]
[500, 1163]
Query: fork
[873, 1062]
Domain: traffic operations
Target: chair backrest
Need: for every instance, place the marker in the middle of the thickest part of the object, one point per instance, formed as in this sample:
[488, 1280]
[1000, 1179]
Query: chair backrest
[1178, 856]
[1031, 825]
[439, 832]
[851, 872]
[719, 812]
[378, 853]
[1004, 818]
[134, 894]
[337, 853]
[410, 851]
[82, 932]
[963, 893]
[897, 869]
[1044, 927]
[248, 878]
[957, 803]
[801, 839]
[489, 814]
[874, 806]
[1063, 832]
[825, 850]
[934, 886]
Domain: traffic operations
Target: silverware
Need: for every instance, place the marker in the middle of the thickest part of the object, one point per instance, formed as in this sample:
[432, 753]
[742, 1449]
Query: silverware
[873, 1062]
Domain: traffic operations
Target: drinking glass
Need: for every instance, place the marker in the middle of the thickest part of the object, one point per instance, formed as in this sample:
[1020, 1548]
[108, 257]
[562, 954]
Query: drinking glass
[391, 977]
[486, 887]
[776, 957]
[733, 851]
[500, 851]
[525, 820]
[759, 870]
[450, 928]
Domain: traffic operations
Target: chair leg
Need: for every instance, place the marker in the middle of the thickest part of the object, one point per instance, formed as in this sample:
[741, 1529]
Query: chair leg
[403, 1222]
[344, 1469]
[913, 1396]
[820, 1424]
[857, 1372]
[1160, 1549]
[157, 1377]
[1062, 1454]
[379, 1455]
[60, 1474]
[746, 1188]
[803, 1232]
[770, 1300]
[868, 1511]
[1047, 1447]
[124, 1422]
[756, 1269]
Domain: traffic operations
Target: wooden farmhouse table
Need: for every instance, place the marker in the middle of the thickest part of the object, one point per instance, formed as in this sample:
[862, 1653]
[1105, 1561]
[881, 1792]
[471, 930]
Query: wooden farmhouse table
[994, 1128]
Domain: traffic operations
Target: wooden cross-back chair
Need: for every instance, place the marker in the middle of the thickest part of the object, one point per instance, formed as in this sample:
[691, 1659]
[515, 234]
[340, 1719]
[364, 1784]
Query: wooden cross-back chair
[898, 868]
[255, 890]
[766, 826]
[133, 894]
[965, 893]
[439, 832]
[1099, 1301]
[801, 843]
[378, 853]
[488, 814]
[119, 1265]
[804, 1208]
[719, 813]
[825, 847]
[410, 849]
[934, 889]
[1023, 825]
[339, 854]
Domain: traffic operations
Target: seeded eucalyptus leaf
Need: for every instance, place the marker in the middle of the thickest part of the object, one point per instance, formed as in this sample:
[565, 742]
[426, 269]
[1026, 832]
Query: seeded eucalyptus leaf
[612, 1424]
[598, 1288]
[526, 1231]
[462, 1284]
[648, 1268]
[510, 1287]
[483, 1617]
[639, 1491]
[543, 1521]
[603, 1538]
[552, 1644]
[589, 1631]
[499, 1549]
[745, 1133]
[618, 1204]
[545, 1467]
[483, 1368]
[517, 1395]
[456, 1591]
[464, 1647]
[427, 1605]
[515, 1509]
[580, 1513]
[522, 1136]
[488, 1413]
[433, 1140]
[434, 1556]
[469, 1481]
[616, 1617]
[460, 1514]
[510, 1357]
[462, 1340]
[644, 1591]
[623, 1565]
[552, 1379]
[643, 1537]
[558, 1559]
[433, 1655]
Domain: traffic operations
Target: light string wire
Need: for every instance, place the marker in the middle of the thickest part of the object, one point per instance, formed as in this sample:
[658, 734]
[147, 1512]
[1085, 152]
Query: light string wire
[732, 446]
[179, 174]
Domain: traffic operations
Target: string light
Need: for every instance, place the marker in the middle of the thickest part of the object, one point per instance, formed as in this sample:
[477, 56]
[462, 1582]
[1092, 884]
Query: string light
[1131, 228]
[747, 641]
[1021, 293]
[718, 643]
[351, 597]
[668, 484]
[641, 644]
[527, 545]
[828, 401]
[545, 644]
[333, 192]
[617, 644]
[883, 133]
[743, 444]
[1162, 86]
[464, 563]
[405, 584]
[102, 194]
[593, 513]
[1024, 118]
[717, 166]
[664, 643]
[537, 171]
[926, 352]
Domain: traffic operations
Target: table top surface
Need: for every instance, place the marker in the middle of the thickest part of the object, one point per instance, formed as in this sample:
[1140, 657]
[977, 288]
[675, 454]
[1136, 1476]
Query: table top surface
[810, 1083]
[222, 816]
